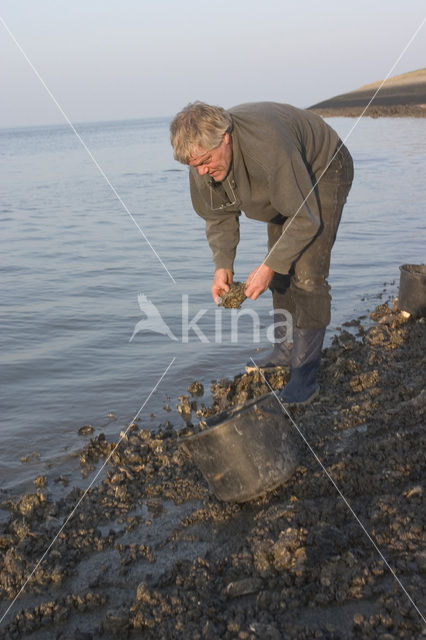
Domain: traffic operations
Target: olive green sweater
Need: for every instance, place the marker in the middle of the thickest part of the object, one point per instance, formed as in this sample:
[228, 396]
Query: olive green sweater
[278, 151]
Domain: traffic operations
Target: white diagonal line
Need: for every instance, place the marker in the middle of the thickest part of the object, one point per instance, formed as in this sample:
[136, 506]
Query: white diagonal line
[344, 141]
[84, 145]
[284, 409]
[68, 518]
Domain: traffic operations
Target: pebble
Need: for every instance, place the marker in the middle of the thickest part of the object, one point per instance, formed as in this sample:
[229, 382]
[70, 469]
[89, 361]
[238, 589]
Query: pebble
[243, 587]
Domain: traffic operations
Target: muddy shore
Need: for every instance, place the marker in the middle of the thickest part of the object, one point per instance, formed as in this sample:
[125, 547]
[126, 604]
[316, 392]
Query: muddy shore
[151, 553]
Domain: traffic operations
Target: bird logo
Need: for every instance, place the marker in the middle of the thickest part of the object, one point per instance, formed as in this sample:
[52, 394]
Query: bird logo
[153, 321]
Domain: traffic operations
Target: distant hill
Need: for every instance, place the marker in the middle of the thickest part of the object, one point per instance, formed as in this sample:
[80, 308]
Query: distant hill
[400, 96]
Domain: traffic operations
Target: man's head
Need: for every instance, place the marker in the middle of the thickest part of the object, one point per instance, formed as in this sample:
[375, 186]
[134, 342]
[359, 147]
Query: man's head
[200, 136]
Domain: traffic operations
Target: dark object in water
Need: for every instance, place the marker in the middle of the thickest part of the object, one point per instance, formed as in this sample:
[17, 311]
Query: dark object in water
[86, 430]
[196, 388]
[412, 289]
[233, 298]
[245, 451]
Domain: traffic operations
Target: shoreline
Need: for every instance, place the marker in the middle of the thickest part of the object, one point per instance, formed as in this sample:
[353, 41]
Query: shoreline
[151, 552]
[373, 111]
[402, 96]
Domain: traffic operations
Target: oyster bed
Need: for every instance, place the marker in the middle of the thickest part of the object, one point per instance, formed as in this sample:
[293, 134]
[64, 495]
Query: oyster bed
[151, 553]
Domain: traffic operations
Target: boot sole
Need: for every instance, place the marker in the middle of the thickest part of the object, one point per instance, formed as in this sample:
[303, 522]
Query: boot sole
[303, 402]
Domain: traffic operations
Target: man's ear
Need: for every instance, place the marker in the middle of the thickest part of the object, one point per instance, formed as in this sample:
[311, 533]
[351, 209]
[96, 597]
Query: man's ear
[227, 138]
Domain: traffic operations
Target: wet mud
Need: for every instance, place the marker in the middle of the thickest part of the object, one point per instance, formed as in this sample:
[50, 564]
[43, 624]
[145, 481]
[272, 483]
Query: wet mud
[151, 553]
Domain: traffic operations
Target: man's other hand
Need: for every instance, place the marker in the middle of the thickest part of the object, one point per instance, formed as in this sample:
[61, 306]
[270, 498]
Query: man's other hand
[222, 280]
[258, 281]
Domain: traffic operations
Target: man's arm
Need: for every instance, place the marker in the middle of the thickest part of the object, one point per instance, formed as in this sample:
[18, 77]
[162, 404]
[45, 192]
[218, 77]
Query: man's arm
[221, 282]
[258, 281]
[223, 236]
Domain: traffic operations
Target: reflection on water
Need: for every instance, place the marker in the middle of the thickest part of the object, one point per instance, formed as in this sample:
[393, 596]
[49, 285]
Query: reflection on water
[73, 263]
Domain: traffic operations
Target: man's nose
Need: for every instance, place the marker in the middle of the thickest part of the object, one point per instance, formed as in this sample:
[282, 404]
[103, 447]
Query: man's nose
[203, 170]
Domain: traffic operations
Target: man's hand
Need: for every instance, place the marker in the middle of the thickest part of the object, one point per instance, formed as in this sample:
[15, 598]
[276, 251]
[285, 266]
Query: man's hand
[258, 281]
[222, 280]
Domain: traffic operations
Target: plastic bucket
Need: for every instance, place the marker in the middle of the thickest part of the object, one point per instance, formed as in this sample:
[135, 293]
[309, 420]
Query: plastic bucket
[245, 451]
[412, 289]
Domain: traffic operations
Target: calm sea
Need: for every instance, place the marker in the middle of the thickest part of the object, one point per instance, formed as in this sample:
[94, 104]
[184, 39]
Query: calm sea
[73, 263]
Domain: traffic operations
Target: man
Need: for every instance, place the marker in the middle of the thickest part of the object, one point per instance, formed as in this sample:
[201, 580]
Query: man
[286, 167]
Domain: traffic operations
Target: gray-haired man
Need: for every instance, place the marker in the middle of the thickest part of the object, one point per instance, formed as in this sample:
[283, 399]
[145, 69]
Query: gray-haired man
[286, 167]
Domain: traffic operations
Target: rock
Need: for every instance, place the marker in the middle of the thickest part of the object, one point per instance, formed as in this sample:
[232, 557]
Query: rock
[116, 624]
[262, 556]
[184, 407]
[414, 492]
[86, 430]
[142, 593]
[40, 481]
[265, 631]
[233, 298]
[243, 587]
[287, 551]
[29, 502]
[364, 380]
[196, 388]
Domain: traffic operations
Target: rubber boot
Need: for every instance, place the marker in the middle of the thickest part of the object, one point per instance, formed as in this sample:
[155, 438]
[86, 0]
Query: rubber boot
[305, 362]
[280, 356]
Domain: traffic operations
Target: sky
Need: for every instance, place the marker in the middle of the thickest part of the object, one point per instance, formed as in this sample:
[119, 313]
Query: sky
[126, 59]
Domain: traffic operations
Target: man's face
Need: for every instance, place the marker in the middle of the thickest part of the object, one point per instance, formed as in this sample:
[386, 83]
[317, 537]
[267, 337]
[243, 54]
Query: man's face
[215, 162]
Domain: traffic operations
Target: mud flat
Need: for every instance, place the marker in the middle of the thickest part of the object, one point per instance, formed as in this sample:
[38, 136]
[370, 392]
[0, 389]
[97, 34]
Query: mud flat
[151, 553]
[402, 96]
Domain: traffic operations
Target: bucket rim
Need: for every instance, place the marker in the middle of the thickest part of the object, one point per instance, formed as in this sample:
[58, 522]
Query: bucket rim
[415, 270]
[227, 414]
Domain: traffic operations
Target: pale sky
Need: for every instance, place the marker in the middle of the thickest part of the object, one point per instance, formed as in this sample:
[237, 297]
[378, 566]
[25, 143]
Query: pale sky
[124, 59]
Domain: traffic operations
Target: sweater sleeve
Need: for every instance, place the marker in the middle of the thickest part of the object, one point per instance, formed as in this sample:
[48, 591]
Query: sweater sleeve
[222, 230]
[293, 195]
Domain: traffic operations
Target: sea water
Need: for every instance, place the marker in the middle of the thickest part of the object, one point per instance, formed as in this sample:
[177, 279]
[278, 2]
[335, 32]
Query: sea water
[84, 235]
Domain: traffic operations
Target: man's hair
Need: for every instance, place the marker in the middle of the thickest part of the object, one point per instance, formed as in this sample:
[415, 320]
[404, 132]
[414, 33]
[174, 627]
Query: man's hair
[198, 126]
